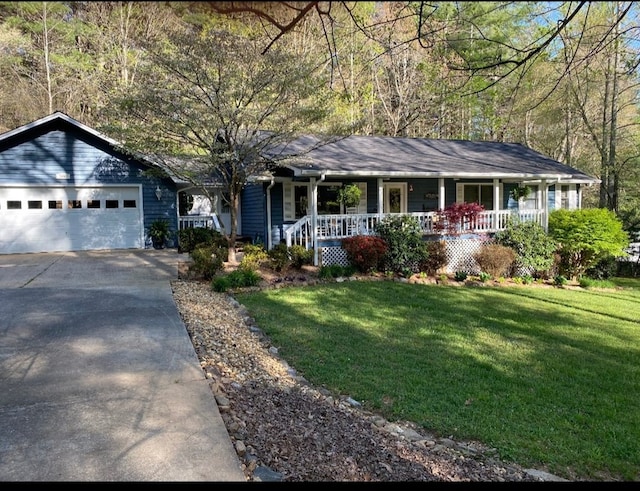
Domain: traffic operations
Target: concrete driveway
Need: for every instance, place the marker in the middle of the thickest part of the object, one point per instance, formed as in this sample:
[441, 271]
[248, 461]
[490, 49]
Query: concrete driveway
[98, 378]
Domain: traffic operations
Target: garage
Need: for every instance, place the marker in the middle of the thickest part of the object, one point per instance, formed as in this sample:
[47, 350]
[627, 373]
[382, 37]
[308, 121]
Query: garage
[66, 187]
[70, 218]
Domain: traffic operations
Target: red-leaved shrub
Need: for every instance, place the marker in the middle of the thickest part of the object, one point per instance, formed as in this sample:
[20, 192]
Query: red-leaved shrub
[365, 252]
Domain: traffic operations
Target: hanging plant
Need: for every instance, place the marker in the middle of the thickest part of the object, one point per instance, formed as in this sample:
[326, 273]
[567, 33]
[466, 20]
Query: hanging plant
[520, 192]
[349, 195]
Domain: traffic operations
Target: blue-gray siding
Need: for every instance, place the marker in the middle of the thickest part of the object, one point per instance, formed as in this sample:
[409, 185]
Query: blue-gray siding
[43, 159]
[253, 205]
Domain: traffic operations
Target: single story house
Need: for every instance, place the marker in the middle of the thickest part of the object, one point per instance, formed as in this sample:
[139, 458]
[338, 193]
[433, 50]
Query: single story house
[64, 186]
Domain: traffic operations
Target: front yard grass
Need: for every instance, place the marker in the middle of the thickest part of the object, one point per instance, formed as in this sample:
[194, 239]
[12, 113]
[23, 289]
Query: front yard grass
[548, 376]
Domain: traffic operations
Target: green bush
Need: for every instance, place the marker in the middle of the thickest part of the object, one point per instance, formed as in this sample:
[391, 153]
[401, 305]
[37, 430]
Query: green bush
[189, 238]
[461, 275]
[605, 268]
[560, 280]
[253, 256]
[279, 257]
[300, 256]
[207, 260]
[534, 248]
[239, 278]
[436, 257]
[484, 276]
[335, 271]
[365, 252]
[220, 284]
[495, 259]
[585, 237]
[406, 248]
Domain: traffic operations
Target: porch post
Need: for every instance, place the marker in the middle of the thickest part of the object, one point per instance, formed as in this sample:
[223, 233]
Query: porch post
[496, 203]
[314, 219]
[544, 187]
[441, 197]
[380, 196]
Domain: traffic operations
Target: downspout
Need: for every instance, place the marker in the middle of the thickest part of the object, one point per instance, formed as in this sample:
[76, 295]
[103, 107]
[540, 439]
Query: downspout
[314, 216]
[271, 184]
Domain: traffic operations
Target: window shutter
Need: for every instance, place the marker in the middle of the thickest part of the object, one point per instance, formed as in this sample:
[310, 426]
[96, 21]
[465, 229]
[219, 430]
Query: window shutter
[573, 197]
[362, 206]
[287, 201]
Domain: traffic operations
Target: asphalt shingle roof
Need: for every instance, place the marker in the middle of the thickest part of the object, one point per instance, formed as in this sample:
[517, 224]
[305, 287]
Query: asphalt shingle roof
[389, 156]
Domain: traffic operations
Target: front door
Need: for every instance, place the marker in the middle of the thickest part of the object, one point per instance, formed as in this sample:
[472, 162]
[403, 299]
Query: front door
[395, 197]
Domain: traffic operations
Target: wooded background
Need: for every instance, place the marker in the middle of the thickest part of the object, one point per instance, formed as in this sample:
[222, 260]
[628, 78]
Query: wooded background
[559, 77]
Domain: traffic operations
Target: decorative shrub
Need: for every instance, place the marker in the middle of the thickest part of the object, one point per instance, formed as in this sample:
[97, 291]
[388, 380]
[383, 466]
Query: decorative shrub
[484, 276]
[560, 280]
[605, 268]
[240, 278]
[436, 257]
[253, 256]
[406, 248]
[279, 257]
[189, 238]
[207, 260]
[460, 275]
[495, 259]
[335, 271]
[365, 252]
[300, 256]
[534, 248]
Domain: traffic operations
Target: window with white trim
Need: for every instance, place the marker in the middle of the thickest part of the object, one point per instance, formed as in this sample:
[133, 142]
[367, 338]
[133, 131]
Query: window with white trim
[476, 193]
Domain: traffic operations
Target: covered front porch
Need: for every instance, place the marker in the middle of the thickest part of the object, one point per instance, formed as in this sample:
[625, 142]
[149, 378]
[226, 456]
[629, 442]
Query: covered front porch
[335, 227]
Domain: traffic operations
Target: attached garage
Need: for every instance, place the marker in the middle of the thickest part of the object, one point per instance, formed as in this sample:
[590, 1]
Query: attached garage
[70, 218]
[65, 187]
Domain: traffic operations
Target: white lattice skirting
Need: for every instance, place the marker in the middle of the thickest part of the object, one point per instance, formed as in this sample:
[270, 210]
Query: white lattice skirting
[459, 254]
[333, 255]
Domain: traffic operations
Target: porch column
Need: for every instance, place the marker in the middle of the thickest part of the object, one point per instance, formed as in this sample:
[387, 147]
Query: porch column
[441, 197]
[314, 219]
[380, 196]
[544, 188]
[496, 203]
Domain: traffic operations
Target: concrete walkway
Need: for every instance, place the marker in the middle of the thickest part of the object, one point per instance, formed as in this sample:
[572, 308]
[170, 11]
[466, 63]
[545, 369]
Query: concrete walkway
[98, 378]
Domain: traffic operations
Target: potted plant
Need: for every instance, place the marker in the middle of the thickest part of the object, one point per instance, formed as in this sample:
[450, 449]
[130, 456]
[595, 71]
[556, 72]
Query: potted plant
[349, 195]
[520, 192]
[159, 233]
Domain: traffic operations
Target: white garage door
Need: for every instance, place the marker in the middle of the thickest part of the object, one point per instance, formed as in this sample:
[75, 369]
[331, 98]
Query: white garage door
[52, 219]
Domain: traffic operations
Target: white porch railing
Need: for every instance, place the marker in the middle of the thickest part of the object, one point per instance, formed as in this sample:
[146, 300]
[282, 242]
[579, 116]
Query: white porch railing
[199, 221]
[342, 226]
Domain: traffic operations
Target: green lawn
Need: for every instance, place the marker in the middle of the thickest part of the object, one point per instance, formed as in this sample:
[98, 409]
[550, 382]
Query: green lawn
[548, 376]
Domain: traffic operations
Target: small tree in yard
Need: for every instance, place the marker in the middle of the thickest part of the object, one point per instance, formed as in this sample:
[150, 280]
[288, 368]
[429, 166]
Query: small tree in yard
[585, 237]
[211, 108]
[457, 218]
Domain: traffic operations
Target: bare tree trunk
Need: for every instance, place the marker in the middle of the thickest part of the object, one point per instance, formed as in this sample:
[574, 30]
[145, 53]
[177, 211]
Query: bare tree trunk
[612, 184]
[45, 47]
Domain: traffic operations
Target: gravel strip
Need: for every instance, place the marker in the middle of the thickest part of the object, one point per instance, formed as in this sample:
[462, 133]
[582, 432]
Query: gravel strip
[284, 429]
